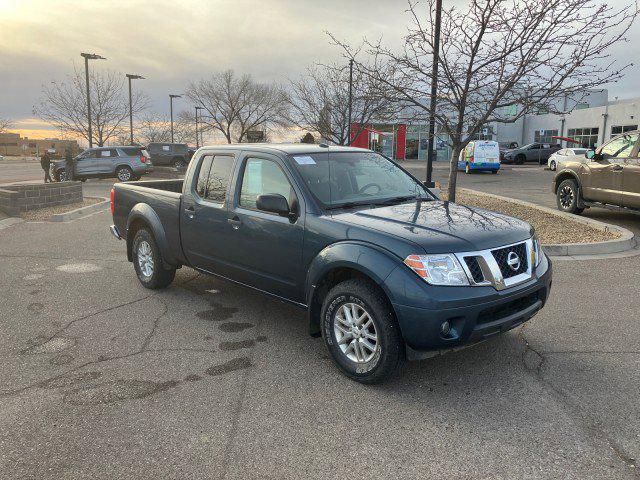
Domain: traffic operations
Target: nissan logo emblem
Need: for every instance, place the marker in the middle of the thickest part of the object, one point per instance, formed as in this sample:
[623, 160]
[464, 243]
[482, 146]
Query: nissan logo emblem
[513, 260]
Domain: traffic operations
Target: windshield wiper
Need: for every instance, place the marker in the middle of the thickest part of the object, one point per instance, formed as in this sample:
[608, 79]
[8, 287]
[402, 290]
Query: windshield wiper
[350, 205]
[403, 198]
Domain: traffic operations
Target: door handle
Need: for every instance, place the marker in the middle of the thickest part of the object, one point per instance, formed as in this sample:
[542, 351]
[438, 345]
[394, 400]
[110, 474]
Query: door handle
[617, 168]
[190, 211]
[235, 222]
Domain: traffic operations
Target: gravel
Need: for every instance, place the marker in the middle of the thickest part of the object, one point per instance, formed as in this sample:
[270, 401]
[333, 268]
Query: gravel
[47, 212]
[551, 229]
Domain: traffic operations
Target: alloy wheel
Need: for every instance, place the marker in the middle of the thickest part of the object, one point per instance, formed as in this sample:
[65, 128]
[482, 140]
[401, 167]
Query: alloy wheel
[566, 196]
[355, 333]
[124, 175]
[145, 258]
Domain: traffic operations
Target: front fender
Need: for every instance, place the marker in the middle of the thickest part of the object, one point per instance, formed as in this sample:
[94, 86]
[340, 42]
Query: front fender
[144, 213]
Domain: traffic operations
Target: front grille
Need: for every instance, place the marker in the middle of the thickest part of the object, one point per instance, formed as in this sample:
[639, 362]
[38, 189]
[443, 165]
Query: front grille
[474, 269]
[502, 254]
[503, 311]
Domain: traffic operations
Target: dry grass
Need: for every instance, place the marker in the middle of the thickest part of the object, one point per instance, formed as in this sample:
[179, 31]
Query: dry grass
[47, 212]
[550, 228]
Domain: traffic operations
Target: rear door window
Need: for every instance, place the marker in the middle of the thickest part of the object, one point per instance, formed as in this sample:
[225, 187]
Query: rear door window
[131, 151]
[203, 176]
[218, 179]
[108, 153]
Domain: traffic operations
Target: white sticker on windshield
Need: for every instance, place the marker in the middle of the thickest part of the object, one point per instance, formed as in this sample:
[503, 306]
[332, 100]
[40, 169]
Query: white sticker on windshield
[304, 160]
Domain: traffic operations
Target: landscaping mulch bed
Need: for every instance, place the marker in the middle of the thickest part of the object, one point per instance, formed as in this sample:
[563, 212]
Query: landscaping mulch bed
[551, 229]
[47, 212]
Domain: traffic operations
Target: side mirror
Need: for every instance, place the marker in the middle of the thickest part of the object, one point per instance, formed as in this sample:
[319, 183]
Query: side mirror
[274, 203]
[592, 155]
[589, 154]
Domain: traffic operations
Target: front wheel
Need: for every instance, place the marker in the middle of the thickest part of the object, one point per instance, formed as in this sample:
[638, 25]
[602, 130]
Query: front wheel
[60, 175]
[567, 197]
[179, 164]
[361, 332]
[519, 160]
[148, 262]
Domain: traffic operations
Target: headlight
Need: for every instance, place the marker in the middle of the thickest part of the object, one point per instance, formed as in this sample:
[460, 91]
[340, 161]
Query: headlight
[536, 252]
[441, 269]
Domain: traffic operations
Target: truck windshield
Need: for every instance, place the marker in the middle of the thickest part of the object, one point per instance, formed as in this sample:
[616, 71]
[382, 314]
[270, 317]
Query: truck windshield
[340, 179]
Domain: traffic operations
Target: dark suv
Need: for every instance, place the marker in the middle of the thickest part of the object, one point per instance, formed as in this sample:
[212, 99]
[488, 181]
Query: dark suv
[608, 176]
[176, 155]
[534, 152]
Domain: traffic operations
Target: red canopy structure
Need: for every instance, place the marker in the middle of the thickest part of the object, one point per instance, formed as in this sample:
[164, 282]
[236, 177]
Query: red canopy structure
[566, 139]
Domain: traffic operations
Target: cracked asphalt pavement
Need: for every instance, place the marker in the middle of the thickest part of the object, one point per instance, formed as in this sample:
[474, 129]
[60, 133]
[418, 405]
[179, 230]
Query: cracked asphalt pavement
[104, 379]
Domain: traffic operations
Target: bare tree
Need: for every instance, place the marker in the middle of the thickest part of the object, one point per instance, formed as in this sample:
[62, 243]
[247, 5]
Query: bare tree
[64, 105]
[319, 102]
[154, 128]
[237, 105]
[5, 124]
[500, 60]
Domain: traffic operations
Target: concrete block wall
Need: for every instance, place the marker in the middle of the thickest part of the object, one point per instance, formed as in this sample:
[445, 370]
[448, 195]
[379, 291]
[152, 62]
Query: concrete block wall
[17, 199]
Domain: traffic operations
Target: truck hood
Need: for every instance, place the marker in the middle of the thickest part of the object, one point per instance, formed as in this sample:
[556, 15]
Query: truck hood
[441, 227]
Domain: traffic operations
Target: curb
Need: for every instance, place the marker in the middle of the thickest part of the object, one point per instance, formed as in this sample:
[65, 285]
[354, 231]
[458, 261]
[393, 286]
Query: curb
[7, 222]
[80, 212]
[626, 241]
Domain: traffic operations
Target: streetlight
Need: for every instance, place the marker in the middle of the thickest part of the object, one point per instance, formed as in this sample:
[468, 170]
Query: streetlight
[87, 57]
[131, 77]
[350, 101]
[434, 92]
[197, 141]
[171, 97]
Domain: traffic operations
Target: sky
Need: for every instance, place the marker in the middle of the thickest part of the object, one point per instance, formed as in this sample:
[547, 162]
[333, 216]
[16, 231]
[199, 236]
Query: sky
[171, 42]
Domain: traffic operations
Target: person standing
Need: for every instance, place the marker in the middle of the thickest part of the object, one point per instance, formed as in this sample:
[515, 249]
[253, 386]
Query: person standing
[45, 163]
[69, 165]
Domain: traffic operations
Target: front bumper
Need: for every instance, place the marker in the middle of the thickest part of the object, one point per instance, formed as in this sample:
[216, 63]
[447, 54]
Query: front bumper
[475, 314]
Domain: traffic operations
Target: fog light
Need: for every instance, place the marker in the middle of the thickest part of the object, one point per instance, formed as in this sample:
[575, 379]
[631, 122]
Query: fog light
[445, 328]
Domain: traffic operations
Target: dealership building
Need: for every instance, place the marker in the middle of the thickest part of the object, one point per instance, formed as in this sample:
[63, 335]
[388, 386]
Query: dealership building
[12, 144]
[594, 118]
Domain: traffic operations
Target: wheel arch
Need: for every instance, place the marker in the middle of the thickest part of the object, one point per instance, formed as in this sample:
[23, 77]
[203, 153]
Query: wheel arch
[141, 216]
[340, 262]
[565, 175]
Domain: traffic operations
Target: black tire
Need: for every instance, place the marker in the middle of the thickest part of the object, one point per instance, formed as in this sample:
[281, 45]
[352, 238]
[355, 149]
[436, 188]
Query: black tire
[179, 164]
[124, 173]
[568, 197]
[519, 160]
[59, 175]
[160, 277]
[389, 355]
[494, 172]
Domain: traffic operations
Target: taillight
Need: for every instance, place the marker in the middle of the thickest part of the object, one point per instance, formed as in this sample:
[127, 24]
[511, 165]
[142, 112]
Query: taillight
[143, 159]
[112, 200]
[471, 159]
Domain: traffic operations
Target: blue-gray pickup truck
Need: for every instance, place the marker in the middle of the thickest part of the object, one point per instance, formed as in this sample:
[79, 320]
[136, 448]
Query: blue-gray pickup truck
[385, 270]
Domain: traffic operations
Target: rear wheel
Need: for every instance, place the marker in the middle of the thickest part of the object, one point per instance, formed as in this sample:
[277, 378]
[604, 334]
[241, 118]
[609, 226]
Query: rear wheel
[148, 262]
[361, 332]
[568, 197]
[179, 164]
[124, 173]
[467, 169]
[494, 171]
[519, 160]
[60, 175]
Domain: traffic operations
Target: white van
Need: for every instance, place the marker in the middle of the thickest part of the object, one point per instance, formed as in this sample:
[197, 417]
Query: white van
[480, 155]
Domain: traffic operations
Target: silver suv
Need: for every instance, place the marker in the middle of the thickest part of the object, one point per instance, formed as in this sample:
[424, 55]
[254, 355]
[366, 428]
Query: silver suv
[124, 163]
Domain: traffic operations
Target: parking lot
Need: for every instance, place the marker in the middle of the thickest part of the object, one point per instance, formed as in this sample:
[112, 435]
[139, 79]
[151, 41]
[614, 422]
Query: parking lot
[206, 379]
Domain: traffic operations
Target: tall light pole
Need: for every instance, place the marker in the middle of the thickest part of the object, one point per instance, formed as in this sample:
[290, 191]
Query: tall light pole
[171, 97]
[434, 92]
[197, 137]
[350, 101]
[131, 77]
[87, 57]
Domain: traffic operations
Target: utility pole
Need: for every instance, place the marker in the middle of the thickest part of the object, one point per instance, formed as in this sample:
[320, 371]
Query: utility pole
[171, 97]
[131, 77]
[87, 57]
[434, 92]
[197, 137]
[350, 101]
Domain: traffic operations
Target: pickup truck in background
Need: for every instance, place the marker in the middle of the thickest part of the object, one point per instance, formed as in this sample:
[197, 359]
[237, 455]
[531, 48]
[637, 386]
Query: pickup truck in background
[385, 270]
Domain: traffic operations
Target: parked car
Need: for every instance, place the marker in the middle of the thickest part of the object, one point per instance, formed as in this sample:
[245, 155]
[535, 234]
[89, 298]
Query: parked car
[124, 163]
[607, 176]
[177, 155]
[480, 156]
[385, 270]
[1, 158]
[534, 152]
[561, 155]
[505, 146]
